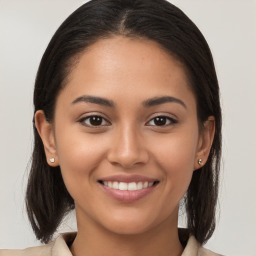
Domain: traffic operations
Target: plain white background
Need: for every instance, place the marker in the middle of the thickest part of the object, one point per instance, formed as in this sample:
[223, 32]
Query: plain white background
[229, 26]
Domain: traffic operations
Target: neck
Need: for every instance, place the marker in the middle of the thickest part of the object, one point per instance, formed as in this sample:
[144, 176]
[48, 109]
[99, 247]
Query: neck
[162, 241]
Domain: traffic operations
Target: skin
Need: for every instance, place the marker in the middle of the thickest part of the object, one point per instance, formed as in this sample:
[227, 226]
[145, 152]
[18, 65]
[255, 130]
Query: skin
[127, 72]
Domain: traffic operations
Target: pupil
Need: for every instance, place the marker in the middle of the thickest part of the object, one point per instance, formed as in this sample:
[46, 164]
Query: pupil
[96, 120]
[160, 121]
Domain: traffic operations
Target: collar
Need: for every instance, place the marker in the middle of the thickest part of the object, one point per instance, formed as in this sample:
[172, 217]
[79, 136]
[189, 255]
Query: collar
[61, 244]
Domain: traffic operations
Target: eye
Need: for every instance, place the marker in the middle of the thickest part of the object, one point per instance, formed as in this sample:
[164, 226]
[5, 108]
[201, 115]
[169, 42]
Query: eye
[93, 121]
[162, 121]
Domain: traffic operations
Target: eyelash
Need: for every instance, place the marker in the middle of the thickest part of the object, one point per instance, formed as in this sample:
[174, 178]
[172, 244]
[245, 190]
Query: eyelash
[100, 118]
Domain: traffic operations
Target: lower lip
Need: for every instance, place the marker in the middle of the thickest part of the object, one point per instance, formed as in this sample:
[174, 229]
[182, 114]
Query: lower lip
[128, 195]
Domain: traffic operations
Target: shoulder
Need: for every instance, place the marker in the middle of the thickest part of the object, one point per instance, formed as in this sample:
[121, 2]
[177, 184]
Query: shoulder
[193, 248]
[58, 247]
[205, 252]
[35, 251]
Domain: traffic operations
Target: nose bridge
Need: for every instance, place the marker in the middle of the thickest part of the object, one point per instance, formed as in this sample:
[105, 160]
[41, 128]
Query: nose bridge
[127, 148]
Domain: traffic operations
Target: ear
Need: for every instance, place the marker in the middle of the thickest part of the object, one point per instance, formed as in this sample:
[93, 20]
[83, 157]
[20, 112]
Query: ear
[45, 130]
[206, 137]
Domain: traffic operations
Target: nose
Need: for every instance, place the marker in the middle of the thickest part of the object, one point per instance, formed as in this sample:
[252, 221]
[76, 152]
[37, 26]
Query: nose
[127, 149]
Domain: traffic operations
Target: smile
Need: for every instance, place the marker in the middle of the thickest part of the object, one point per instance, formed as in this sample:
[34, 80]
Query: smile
[131, 186]
[128, 188]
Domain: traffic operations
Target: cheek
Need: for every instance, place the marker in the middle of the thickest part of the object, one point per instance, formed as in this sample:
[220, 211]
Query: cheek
[78, 157]
[177, 150]
[175, 156]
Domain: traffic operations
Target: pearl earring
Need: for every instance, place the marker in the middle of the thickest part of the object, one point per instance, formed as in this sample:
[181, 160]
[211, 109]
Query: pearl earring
[52, 160]
[200, 161]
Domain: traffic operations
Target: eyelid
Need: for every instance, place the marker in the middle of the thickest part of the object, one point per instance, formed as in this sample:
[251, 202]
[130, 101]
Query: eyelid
[93, 113]
[160, 113]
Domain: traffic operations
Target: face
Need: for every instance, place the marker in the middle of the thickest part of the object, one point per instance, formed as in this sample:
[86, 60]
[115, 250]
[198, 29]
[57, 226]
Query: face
[126, 136]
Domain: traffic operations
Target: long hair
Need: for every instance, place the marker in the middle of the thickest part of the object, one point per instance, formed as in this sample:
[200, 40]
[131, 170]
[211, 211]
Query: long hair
[47, 199]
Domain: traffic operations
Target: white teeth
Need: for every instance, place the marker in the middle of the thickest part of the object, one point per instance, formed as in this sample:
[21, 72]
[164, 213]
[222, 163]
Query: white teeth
[131, 186]
[115, 185]
[145, 185]
[123, 186]
[140, 185]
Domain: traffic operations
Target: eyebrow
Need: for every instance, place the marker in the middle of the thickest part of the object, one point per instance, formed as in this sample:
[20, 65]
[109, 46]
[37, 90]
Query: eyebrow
[95, 100]
[161, 100]
[147, 103]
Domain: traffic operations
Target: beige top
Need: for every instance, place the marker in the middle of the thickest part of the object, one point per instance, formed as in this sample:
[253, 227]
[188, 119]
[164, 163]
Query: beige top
[59, 247]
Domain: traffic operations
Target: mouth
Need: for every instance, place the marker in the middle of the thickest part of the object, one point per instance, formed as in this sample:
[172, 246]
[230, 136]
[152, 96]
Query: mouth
[129, 186]
[128, 189]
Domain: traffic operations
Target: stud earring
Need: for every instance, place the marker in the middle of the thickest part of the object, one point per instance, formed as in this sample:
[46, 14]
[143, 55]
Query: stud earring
[200, 161]
[52, 160]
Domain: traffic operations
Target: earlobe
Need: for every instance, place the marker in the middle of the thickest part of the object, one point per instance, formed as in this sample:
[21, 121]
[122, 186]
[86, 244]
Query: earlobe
[45, 130]
[205, 142]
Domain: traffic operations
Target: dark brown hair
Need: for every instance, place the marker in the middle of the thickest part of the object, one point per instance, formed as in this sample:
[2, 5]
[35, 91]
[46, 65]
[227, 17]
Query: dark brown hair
[47, 198]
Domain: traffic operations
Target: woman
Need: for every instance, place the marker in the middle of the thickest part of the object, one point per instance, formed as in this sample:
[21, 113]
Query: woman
[127, 123]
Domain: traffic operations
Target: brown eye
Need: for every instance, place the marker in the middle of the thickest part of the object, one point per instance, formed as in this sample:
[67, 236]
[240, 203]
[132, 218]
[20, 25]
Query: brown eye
[94, 121]
[162, 121]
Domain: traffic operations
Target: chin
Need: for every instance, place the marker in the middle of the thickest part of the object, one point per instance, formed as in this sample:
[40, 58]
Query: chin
[131, 225]
[124, 229]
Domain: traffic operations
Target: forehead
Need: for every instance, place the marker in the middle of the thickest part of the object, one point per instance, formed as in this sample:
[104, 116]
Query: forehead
[127, 66]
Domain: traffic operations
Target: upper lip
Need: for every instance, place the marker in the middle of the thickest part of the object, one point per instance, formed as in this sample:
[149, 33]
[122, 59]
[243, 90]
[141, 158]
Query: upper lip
[128, 178]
